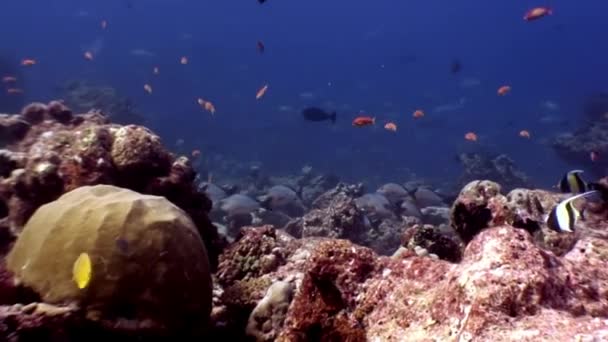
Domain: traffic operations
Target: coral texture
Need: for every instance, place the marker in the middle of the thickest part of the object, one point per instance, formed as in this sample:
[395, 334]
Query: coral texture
[123, 232]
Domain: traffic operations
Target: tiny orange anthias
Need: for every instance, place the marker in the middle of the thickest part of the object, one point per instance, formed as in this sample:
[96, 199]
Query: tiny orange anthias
[362, 121]
[537, 13]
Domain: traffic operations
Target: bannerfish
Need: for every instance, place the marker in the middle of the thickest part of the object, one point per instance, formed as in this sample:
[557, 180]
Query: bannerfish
[564, 215]
[572, 182]
[317, 114]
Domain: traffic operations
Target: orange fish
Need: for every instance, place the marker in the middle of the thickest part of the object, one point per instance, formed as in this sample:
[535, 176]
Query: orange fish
[361, 121]
[470, 136]
[148, 88]
[390, 126]
[183, 60]
[88, 55]
[537, 13]
[524, 134]
[207, 105]
[261, 92]
[14, 91]
[418, 113]
[196, 153]
[504, 90]
[104, 24]
[28, 62]
[156, 70]
[9, 79]
[594, 156]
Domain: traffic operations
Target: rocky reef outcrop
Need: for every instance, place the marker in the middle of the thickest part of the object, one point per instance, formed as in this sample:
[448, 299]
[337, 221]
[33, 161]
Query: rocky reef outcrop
[499, 273]
[591, 137]
[82, 96]
[499, 168]
[400, 263]
[122, 233]
[50, 151]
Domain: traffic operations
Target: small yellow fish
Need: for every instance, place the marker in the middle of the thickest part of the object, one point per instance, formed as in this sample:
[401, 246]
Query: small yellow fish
[81, 272]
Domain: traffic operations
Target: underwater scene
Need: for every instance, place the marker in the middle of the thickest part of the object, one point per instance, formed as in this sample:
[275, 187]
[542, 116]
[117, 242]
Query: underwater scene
[283, 170]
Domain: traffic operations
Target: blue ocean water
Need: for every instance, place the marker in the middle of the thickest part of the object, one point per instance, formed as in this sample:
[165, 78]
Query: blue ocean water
[384, 58]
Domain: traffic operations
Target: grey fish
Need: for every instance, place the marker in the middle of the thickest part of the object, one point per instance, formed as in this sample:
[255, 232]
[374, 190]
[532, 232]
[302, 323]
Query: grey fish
[317, 114]
[394, 192]
[279, 196]
[239, 205]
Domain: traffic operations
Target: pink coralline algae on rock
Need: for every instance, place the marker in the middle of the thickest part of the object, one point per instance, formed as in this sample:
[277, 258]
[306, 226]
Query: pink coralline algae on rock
[504, 287]
[515, 279]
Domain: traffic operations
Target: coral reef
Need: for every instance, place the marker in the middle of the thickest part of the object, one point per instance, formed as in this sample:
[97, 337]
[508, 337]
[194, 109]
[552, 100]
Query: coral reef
[122, 232]
[309, 259]
[592, 136]
[499, 168]
[576, 147]
[508, 276]
[83, 96]
[59, 151]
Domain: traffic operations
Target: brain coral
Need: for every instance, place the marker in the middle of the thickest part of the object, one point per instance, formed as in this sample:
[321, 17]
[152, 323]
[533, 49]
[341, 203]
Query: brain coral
[149, 263]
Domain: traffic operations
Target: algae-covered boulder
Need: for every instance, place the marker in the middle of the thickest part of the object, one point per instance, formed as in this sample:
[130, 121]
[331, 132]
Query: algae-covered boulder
[149, 265]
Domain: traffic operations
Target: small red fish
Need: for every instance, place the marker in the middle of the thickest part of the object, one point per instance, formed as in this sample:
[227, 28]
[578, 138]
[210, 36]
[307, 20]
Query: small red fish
[183, 60]
[88, 55]
[594, 156]
[104, 24]
[206, 105]
[471, 136]
[390, 126]
[28, 62]
[261, 92]
[362, 121]
[148, 88]
[14, 91]
[503, 90]
[196, 153]
[537, 13]
[9, 79]
[261, 47]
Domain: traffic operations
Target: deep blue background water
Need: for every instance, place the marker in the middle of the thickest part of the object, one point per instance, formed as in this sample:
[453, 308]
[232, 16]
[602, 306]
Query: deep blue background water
[386, 58]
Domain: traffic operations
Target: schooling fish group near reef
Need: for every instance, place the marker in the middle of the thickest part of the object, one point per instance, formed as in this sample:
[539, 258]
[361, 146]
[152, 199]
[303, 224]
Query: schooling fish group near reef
[109, 234]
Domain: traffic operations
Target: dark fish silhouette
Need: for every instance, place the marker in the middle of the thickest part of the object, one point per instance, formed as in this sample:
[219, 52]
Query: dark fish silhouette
[261, 1]
[456, 66]
[261, 46]
[317, 114]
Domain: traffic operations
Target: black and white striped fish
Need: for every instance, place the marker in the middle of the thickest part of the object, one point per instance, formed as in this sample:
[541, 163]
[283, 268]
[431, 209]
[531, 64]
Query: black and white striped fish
[572, 182]
[564, 215]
